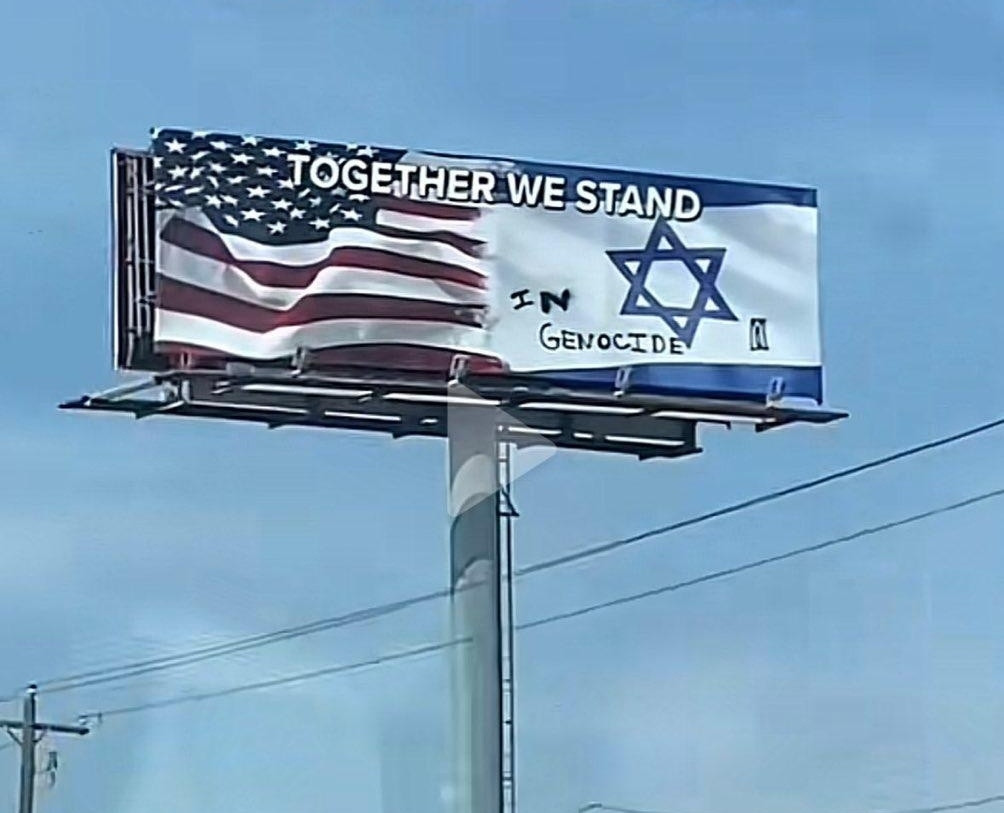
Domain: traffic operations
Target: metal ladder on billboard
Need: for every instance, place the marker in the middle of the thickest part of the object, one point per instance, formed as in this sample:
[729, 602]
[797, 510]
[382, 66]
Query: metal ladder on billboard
[507, 514]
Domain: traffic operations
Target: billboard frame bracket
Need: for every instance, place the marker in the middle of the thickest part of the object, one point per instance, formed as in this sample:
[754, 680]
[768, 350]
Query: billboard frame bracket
[459, 368]
[301, 361]
[622, 381]
[775, 391]
[507, 507]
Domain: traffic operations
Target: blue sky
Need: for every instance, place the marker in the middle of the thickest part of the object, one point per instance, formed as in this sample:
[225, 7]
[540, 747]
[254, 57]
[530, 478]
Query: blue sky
[862, 679]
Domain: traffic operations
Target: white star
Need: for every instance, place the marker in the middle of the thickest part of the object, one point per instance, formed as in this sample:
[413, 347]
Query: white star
[242, 158]
[196, 172]
[257, 192]
[174, 146]
[359, 197]
[281, 204]
[215, 166]
[352, 214]
[213, 182]
[233, 221]
[155, 133]
[268, 172]
[304, 193]
[214, 201]
[277, 227]
[200, 133]
[286, 183]
[252, 214]
[251, 141]
[237, 180]
[339, 192]
[296, 214]
[272, 152]
[351, 147]
[229, 199]
[315, 201]
[304, 145]
[157, 161]
[335, 208]
[219, 145]
[369, 152]
[320, 223]
[194, 190]
[200, 155]
[177, 172]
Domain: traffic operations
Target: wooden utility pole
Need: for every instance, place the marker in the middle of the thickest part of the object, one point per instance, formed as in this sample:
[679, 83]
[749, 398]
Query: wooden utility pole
[31, 733]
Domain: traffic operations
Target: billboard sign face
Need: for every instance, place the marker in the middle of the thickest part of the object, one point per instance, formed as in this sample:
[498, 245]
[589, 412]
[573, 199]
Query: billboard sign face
[402, 260]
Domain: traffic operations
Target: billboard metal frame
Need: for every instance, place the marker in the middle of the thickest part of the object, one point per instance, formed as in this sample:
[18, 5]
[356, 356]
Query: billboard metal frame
[134, 262]
[642, 425]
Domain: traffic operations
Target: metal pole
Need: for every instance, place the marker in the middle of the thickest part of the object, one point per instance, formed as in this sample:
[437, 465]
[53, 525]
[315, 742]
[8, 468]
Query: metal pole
[476, 611]
[507, 514]
[27, 796]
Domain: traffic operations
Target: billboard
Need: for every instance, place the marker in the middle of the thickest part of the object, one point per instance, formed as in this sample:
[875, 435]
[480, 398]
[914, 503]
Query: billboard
[264, 249]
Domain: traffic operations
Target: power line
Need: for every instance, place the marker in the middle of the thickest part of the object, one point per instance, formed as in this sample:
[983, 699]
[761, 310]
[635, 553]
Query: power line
[186, 658]
[989, 800]
[414, 652]
[753, 502]
[600, 806]
[558, 617]
[125, 671]
[943, 808]
[767, 560]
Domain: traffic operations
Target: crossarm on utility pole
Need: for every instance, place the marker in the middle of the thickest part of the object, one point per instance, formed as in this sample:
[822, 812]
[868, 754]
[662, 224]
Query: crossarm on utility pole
[46, 728]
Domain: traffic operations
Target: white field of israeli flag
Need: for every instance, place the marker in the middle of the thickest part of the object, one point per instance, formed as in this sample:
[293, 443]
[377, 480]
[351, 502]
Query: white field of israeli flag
[724, 305]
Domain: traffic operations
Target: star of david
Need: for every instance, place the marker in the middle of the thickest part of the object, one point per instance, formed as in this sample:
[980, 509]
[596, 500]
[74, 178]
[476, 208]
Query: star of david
[704, 265]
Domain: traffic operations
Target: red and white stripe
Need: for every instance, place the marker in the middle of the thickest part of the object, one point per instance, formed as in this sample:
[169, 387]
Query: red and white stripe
[422, 216]
[415, 286]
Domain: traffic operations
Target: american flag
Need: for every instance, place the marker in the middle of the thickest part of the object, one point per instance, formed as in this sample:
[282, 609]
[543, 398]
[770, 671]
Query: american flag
[251, 265]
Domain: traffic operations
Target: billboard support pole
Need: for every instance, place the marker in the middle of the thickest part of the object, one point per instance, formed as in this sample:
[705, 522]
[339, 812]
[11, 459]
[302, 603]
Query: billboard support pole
[476, 613]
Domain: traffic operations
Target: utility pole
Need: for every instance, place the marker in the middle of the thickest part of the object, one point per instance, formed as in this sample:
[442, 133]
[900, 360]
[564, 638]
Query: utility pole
[32, 732]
